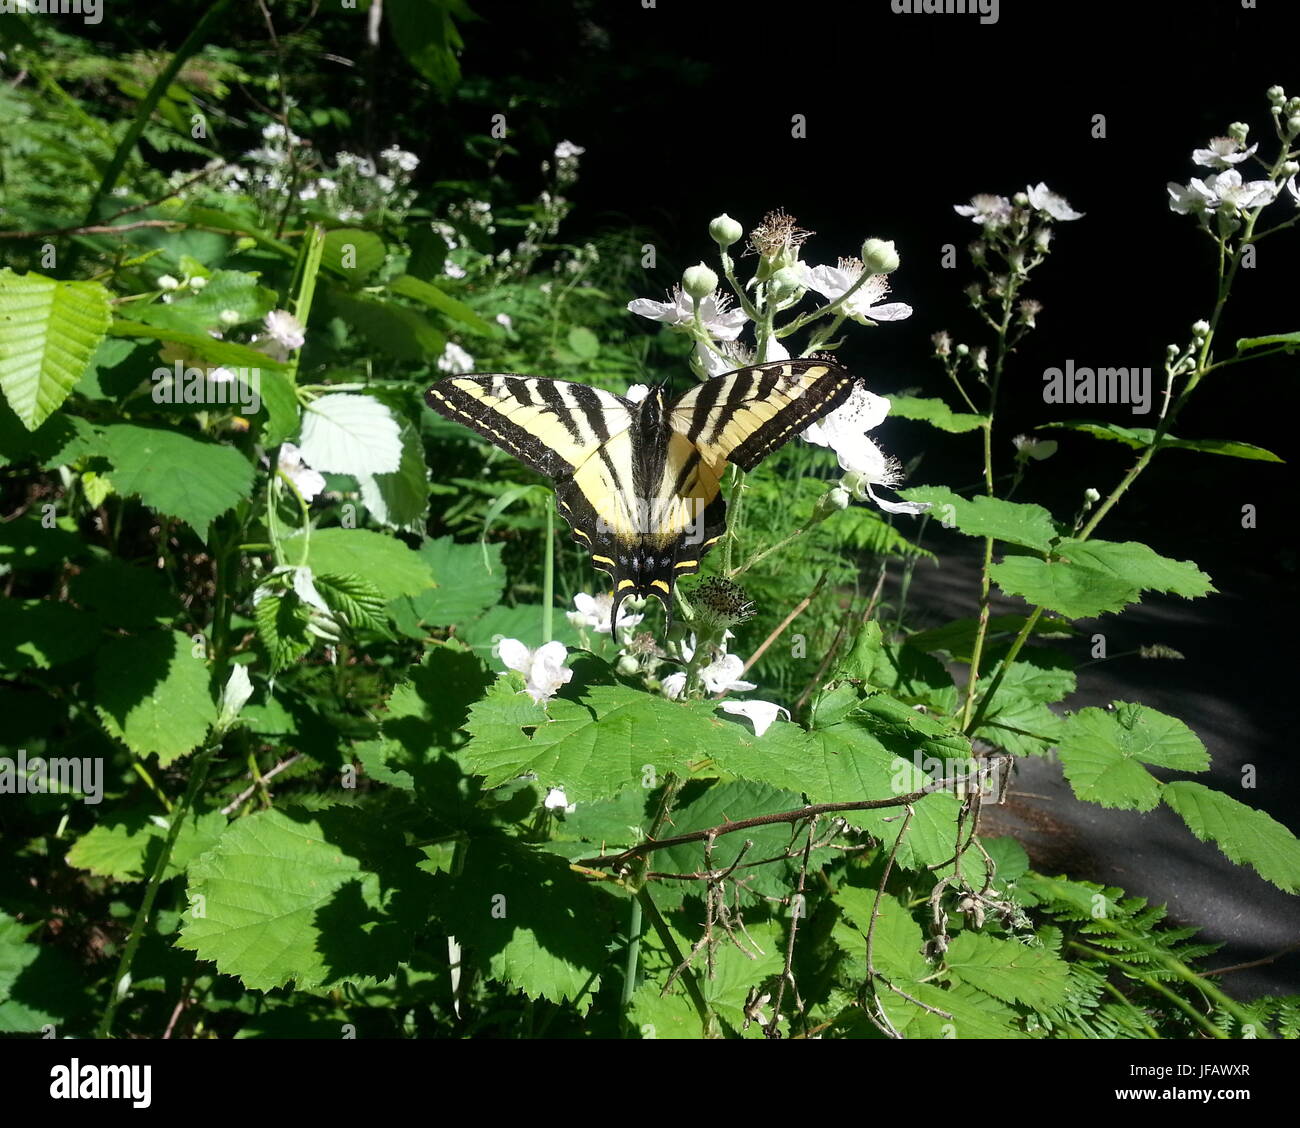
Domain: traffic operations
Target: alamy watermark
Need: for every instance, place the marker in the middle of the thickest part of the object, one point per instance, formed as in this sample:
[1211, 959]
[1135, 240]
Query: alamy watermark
[91, 11]
[55, 775]
[1077, 384]
[240, 387]
[987, 10]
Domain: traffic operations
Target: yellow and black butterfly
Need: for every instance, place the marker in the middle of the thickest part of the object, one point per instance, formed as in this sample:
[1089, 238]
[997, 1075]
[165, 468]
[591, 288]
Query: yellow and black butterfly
[640, 483]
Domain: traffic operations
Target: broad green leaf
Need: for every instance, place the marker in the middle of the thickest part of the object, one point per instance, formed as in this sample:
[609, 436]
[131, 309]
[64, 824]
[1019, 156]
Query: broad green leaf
[536, 923]
[353, 254]
[1070, 590]
[1135, 563]
[40, 984]
[522, 621]
[394, 329]
[27, 544]
[584, 343]
[1103, 753]
[281, 620]
[1138, 438]
[49, 330]
[1247, 836]
[1011, 521]
[387, 562]
[177, 475]
[280, 405]
[39, 633]
[124, 595]
[428, 294]
[123, 846]
[196, 311]
[1018, 720]
[468, 583]
[935, 412]
[400, 500]
[958, 637]
[217, 353]
[320, 899]
[350, 434]
[427, 35]
[1273, 339]
[1009, 970]
[152, 694]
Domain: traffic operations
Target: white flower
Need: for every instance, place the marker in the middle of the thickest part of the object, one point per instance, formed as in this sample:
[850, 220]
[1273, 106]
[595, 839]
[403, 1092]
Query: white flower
[1188, 199]
[453, 269]
[986, 210]
[284, 330]
[761, 714]
[1044, 200]
[556, 800]
[503, 319]
[1224, 152]
[543, 669]
[673, 685]
[723, 673]
[1230, 190]
[407, 162]
[844, 431]
[720, 322]
[566, 150]
[167, 282]
[1037, 449]
[308, 481]
[454, 359]
[197, 282]
[592, 613]
[833, 281]
[1294, 190]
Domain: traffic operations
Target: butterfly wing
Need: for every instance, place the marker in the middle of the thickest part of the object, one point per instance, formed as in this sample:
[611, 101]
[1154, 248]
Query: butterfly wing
[578, 436]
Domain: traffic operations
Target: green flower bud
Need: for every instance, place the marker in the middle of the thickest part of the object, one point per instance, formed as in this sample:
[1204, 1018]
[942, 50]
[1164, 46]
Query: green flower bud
[785, 283]
[627, 665]
[1092, 495]
[879, 256]
[1238, 130]
[725, 231]
[699, 281]
[1293, 124]
[1276, 95]
[1200, 328]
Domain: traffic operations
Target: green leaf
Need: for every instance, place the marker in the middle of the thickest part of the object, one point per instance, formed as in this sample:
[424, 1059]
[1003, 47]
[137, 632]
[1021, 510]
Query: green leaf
[280, 404]
[1018, 720]
[538, 925]
[152, 694]
[426, 34]
[124, 595]
[49, 330]
[350, 434]
[29, 545]
[387, 562]
[177, 475]
[225, 354]
[122, 847]
[958, 637]
[195, 311]
[282, 628]
[353, 254]
[1138, 438]
[400, 500]
[1136, 563]
[1273, 339]
[584, 343]
[1103, 753]
[470, 578]
[320, 899]
[1011, 521]
[428, 294]
[1247, 836]
[395, 330]
[38, 634]
[1009, 970]
[354, 598]
[935, 412]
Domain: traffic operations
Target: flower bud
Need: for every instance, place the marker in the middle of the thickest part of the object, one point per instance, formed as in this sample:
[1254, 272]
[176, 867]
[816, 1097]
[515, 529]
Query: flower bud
[229, 317]
[1020, 199]
[167, 282]
[963, 350]
[1092, 495]
[699, 281]
[1276, 95]
[832, 501]
[1290, 168]
[785, 283]
[879, 256]
[1200, 328]
[627, 665]
[198, 282]
[1238, 130]
[725, 231]
[1293, 124]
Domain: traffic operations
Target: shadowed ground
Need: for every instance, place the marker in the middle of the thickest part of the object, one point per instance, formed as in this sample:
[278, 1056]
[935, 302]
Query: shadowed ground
[1235, 693]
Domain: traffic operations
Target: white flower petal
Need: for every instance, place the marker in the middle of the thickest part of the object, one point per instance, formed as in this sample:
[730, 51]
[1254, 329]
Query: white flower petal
[761, 714]
[514, 654]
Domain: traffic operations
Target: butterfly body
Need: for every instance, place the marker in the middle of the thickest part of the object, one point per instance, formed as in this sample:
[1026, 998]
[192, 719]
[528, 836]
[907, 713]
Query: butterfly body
[640, 483]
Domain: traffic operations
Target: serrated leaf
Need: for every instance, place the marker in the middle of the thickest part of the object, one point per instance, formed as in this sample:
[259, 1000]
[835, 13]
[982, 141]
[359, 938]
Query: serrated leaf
[396, 330]
[355, 598]
[303, 898]
[1247, 836]
[385, 561]
[350, 434]
[935, 412]
[1009, 970]
[177, 475]
[1018, 720]
[1138, 438]
[1012, 521]
[1075, 592]
[353, 253]
[538, 925]
[122, 847]
[49, 330]
[152, 694]
[1102, 754]
[40, 633]
[124, 595]
[282, 628]
[471, 579]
